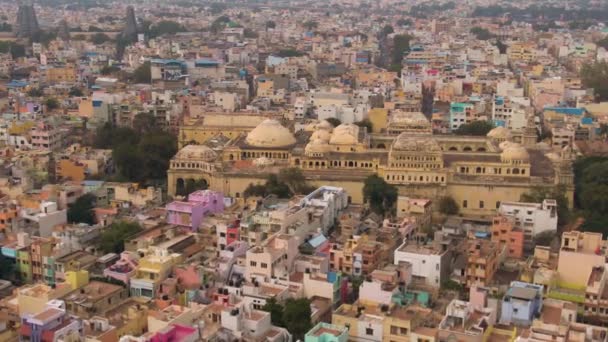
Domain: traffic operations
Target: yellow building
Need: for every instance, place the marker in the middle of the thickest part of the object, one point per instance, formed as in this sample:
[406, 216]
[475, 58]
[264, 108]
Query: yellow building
[152, 270]
[33, 299]
[478, 172]
[521, 52]
[61, 74]
[389, 323]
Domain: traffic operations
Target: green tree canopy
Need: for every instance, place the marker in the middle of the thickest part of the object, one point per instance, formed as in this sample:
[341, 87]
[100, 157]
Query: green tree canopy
[334, 121]
[448, 206]
[100, 38]
[311, 24]
[77, 92]
[294, 315]
[271, 24]
[81, 211]
[591, 194]
[387, 29]
[596, 76]
[16, 50]
[165, 27]
[112, 238]
[365, 123]
[380, 195]
[51, 103]
[481, 33]
[477, 127]
[143, 73]
[401, 46]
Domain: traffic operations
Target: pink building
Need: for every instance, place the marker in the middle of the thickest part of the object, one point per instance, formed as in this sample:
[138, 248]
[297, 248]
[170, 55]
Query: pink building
[176, 333]
[191, 213]
[45, 137]
[213, 202]
[123, 269]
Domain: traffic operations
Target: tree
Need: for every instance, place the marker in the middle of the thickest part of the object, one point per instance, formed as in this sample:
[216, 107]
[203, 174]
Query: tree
[51, 103]
[288, 53]
[380, 195]
[145, 123]
[108, 70]
[401, 45]
[477, 127]
[143, 73]
[271, 24]
[35, 92]
[15, 49]
[387, 29]
[100, 38]
[296, 315]
[276, 311]
[481, 33]
[365, 123]
[603, 43]
[165, 27]
[7, 267]
[311, 24]
[294, 179]
[404, 22]
[334, 121]
[76, 92]
[502, 47]
[112, 238]
[94, 29]
[81, 211]
[6, 27]
[249, 33]
[596, 76]
[448, 206]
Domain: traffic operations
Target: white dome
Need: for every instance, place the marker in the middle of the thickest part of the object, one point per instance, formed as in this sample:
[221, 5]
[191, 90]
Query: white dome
[321, 134]
[506, 144]
[317, 146]
[199, 152]
[325, 125]
[515, 152]
[270, 133]
[345, 134]
[499, 133]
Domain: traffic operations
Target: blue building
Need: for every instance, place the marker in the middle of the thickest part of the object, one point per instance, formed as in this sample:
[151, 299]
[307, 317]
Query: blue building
[521, 303]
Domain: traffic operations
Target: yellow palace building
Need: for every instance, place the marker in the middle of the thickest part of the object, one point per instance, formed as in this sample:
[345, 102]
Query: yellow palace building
[478, 172]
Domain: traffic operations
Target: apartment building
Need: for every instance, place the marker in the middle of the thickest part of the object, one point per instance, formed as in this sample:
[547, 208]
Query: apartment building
[482, 262]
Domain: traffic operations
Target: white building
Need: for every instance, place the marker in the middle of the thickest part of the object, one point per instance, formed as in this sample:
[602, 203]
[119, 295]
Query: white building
[508, 114]
[429, 261]
[325, 204]
[532, 218]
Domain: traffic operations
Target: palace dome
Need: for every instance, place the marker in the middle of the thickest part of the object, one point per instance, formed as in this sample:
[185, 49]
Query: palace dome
[321, 134]
[499, 133]
[345, 134]
[317, 146]
[415, 143]
[199, 152]
[270, 133]
[515, 152]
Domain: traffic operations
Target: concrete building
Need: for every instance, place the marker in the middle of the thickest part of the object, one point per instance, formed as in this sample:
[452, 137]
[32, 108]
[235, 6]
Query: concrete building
[580, 252]
[429, 261]
[521, 303]
[531, 218]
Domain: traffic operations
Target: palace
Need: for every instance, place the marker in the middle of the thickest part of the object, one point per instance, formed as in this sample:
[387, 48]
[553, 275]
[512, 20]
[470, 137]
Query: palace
[478, 172]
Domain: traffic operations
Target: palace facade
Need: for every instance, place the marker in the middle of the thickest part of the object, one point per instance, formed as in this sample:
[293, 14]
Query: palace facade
[478, 172]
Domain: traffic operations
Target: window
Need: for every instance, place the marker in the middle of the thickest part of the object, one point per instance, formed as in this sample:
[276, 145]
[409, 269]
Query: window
[497, 204]
[369, 331]
[464, 204]
[481, 204]
[264, 265]
[253, 263]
